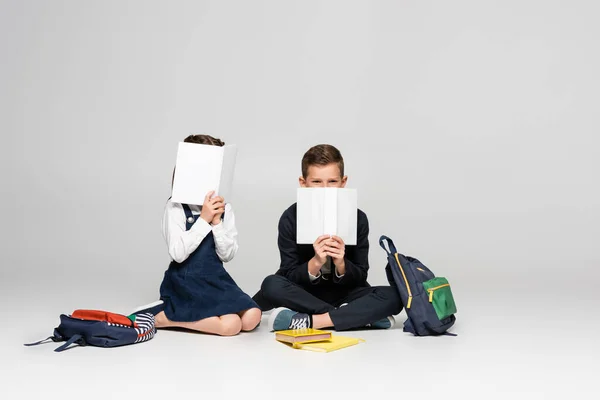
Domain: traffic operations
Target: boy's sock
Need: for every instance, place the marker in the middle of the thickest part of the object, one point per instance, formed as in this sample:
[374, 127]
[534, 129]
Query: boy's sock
[282, 319]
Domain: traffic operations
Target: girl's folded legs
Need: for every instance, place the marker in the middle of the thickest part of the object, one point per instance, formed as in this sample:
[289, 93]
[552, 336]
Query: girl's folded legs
[225, 325]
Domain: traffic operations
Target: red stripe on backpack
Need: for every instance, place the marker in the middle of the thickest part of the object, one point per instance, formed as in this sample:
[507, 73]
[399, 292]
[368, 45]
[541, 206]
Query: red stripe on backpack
[98, 315]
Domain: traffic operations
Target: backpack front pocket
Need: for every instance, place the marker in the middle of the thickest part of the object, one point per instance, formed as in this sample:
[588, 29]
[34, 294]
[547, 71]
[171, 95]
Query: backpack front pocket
[440, 296]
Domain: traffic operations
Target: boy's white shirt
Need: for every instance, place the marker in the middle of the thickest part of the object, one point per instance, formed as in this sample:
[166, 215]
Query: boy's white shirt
[325, 269]
[182, 243]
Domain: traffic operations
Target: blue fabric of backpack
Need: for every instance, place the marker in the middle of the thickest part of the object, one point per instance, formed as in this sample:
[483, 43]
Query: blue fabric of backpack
[428, 299]
[101, 329]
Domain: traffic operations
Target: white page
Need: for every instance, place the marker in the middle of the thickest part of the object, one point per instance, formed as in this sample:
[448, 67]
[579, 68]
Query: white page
[347, 215]
[310, 213]
[227, 172]
[197, 172]
[330, 220]
[326, 211]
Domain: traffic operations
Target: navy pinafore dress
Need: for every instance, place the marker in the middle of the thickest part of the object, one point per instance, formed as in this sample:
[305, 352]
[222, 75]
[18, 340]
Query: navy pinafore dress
[200, 287]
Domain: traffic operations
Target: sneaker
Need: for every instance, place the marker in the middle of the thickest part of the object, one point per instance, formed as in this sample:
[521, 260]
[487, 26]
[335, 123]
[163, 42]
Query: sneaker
[282, 319]
[152, 308]
[384, 323]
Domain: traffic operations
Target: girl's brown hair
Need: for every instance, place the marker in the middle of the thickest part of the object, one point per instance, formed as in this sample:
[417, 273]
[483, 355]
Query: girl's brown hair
[204, 139]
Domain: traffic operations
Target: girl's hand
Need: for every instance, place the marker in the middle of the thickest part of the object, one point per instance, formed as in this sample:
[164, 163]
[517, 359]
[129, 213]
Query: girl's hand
[211, 207]
[221, 203]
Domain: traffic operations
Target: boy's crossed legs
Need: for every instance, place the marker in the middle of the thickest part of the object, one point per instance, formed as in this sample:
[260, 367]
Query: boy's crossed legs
[366, 306]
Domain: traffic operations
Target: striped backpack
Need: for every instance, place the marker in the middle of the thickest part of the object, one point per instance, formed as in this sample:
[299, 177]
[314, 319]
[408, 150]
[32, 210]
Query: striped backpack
[427, 298]
[101, 329]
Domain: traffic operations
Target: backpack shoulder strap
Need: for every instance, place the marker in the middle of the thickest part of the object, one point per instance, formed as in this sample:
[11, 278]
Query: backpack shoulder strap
[41, 341]
[77, 338]
[449, 334]
[56, 337]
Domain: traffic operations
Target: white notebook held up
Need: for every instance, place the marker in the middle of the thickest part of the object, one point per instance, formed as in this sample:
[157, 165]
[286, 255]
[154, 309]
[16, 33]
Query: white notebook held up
[326, 211]
[200, 168]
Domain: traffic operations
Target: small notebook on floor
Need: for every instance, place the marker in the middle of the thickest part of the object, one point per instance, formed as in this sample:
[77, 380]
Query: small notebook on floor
[306, 335]
[336, 343]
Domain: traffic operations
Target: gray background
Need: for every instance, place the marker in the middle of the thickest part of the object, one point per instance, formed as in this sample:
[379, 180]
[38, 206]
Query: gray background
[468, 128]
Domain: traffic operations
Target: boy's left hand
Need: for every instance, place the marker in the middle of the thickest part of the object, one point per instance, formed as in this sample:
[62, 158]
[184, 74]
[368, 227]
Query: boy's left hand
[335, 247]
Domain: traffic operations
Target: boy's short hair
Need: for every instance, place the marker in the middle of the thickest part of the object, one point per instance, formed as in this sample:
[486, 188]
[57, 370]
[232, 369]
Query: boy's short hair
[204, 139]
[322, 154]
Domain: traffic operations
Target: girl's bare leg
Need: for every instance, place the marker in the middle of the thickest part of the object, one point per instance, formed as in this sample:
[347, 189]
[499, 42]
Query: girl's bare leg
[225, 325]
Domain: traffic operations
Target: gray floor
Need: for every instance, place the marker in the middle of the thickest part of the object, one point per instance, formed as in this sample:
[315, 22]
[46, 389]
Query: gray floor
[510, 342]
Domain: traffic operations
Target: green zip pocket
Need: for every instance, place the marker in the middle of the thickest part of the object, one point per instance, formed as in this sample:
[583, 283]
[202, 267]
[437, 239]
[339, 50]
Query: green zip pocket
[440, 296]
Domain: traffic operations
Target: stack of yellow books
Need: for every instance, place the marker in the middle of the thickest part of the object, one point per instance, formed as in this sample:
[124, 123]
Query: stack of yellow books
[315, 340]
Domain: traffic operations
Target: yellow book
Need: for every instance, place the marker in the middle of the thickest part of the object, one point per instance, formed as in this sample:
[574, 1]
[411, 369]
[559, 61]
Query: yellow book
[305, 335]
[336, 343]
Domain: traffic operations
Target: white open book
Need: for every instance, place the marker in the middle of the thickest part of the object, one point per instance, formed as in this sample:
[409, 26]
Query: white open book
[326, 211]
[200, 168]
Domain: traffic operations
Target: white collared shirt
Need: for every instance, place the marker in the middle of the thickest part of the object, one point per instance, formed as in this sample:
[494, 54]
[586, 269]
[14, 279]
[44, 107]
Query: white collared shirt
[325, 269]
[182, 243]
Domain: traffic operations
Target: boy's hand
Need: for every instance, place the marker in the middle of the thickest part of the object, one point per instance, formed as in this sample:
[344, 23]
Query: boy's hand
[211, 207]
[218, 201]
[336, 249]
[315, 264]
[321, 249]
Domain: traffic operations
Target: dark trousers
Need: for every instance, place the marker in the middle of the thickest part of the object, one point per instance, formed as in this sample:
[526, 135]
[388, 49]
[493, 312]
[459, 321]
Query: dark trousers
[365, 304]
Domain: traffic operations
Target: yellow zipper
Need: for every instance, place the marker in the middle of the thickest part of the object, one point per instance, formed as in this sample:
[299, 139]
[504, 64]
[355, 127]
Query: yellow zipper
[405, 281]
[431, 290]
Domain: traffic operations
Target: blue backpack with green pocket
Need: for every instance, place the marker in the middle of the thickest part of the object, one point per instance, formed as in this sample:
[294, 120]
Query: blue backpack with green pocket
[427, 299]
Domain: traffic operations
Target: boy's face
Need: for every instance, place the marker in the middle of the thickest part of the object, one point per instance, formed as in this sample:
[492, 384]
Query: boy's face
[323, 176]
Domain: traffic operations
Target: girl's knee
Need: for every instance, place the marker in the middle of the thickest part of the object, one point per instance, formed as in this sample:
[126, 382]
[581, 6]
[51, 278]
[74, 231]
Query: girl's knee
[231, 325]
[251, 319]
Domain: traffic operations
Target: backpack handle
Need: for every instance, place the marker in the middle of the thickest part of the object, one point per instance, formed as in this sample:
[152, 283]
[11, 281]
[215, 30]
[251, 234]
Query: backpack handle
[390, 244]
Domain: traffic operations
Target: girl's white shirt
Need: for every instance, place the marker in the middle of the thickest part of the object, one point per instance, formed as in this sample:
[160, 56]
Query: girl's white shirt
[182, 243]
